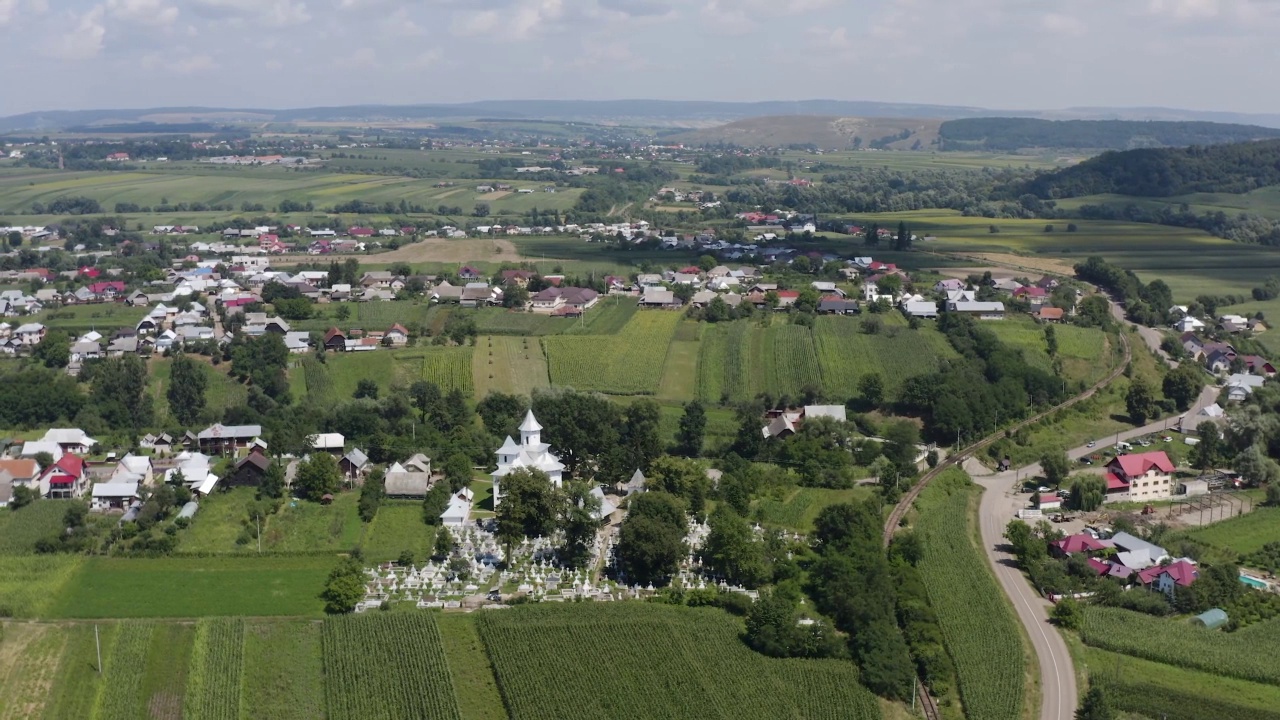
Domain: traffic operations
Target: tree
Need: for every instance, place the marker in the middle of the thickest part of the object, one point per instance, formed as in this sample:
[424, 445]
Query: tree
[54, 351]
[529, 507]
[1094, 311]
[273, 481]
[1209, 451]
[481, 210]
[1273, 494]
[1183, 384]
[1095, 706]
[435, 502]
[1256, 468]
[22, 497]
[693, 427]
[15, 238]
[902, 242]
[186, 393]
[1140, 401]
[366, 388]
[651, 540]
[871, 388]
[732, 551]
[344, 588]
[118, 391]
[342, 312]
[371, 495]
[318, 476]
[871, 236]
[501, 413]
[1067, 613]
[578, 524]
[706, 263]
[444, 544]
[1056, 467]
[1051, 340]
[1088, 492]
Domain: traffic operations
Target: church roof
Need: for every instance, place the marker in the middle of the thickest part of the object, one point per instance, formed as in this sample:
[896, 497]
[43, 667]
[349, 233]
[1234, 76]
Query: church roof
[509, 447]
[530, 423]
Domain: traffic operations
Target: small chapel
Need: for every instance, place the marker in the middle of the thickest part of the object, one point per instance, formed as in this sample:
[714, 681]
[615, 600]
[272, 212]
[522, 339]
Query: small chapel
[530, 453]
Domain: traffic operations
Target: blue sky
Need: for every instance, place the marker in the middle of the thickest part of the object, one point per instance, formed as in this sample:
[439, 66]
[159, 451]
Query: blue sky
[1007, 54]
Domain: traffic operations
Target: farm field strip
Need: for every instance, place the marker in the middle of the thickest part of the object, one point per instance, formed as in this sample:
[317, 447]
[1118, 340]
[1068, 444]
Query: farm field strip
[1247, 654]
[508, 364]
[28, 666]
[978, 626]
[386, 666]
[1157, 690]
[846, 354]
[629, 363]
[124, 672]
[283, 670]
[217, 660]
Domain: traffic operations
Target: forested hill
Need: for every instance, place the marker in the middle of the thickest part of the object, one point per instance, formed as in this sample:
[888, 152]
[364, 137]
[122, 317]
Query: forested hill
[1008, 134]
[1235, 168]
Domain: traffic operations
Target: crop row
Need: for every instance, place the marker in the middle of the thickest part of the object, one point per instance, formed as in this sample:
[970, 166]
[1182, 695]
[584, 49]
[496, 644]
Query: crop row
[450, 368]
[217, 659]
[846, 353]
[125, 670]
[978, 627]
[386, 666]
[1248, 654]
[662, 662]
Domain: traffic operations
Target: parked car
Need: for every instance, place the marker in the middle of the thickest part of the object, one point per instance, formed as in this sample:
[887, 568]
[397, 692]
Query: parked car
[1043, 489]
[1091, 444]
[1085, 461]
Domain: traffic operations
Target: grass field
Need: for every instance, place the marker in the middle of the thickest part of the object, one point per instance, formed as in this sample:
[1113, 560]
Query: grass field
[680, 371]
[448, 367]
[695, 657]
[76, 320]
[340, 374]
[30, 584]
[308, 527]
[221, 390]
[283, 670]
[846, 354]
[29, 658]
[1243, 534]
[800, 506]
[191, 587]
[473, 680]
[397, 527]
[509, 365]
[1157, 690]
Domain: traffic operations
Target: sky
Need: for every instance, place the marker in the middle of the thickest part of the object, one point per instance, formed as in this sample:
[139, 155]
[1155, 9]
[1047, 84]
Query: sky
[999, 54]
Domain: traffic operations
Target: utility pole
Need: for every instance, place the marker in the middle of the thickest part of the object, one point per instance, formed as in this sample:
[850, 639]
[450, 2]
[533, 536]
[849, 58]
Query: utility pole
[257, 519]
[98, 644]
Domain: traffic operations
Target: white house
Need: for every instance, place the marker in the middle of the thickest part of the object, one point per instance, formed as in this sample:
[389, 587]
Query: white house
[459, 509]
[531, 453]
[1189, 324]
[71, 440]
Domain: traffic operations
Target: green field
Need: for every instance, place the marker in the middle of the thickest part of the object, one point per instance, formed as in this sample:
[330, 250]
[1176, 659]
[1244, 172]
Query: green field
[30, 584]
[265, 185]
[20, 529]
[397, 527]
[628, 363]
[76, 320]
[1243, 534]
[387, 666]
[846, 354]
[337, 378]
[982, 636]
[221, 390]
[661, 662]
[1246, 654]
[283, 670]
[191, 587]
[799, 507]
[508, 364]
[1156, 690]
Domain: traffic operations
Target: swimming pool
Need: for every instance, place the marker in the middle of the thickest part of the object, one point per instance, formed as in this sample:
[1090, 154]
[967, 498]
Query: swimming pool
[1254, 582]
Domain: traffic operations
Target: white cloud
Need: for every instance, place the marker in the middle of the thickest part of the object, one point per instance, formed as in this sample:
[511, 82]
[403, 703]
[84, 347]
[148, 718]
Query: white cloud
[522, 20]
[1186, 9]
[363, 58]
[270, 12]
[146, 12]
[83, 40]
[1063, 24]
[8, 8]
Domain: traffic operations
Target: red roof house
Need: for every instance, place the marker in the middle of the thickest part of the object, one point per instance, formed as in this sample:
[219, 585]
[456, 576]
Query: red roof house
[1099, 567]
[1166, 578]
[1079, 543]
[65, 478]
[1138, 464]
[1115, 485]
[90, 272]
[110, 287]
[1030, 292]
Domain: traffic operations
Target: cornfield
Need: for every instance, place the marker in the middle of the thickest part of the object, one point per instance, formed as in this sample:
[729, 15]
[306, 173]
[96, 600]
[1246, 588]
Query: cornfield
[217, 657]
[388, 666]
[896, 353]
[660, 662]
[978, 626]
[448, 367]
[1248, 654]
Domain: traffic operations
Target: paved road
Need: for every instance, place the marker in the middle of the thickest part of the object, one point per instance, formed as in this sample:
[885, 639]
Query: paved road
[218, 332]
[999, 506]
[1150, 336]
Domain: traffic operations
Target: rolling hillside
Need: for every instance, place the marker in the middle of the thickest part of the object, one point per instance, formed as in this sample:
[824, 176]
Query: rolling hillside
[825, 132]
[1010, 134]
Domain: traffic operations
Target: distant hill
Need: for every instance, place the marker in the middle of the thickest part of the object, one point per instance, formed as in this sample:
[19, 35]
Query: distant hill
[1011, 134]
[1234, 168]
[662, 113]
[826, 133]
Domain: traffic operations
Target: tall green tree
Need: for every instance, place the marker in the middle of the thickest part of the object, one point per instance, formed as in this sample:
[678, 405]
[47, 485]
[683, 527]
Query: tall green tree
[1183, 384]
[186, 393]
[693, 428]
[529, 507]
[1051, 340]
[1140, 401]
[118, 390]
[871, 388]
[578, 524]
[54, 351]
[732, 550]
[318, 476]
[902, 242]
[651, 539]
[1095, 706]
[1055, 466]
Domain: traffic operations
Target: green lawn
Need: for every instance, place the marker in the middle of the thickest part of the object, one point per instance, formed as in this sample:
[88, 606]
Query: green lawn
[193, 587]
[30, 584]
[799, 507]
[218, 523]
[473, 680]
[221, 390]
[79, 319]
[283, 669]
[302, 526]
[508, 364]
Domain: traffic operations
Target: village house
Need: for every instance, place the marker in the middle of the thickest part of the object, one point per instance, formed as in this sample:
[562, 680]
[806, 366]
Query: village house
[113, 495]
[249, 470]
[409, 480]
[1140, 476]
[787, 422]
[979, 309]
[554, 299]
[70, 440]
[354, 465]
[65, 479]
[219, 438]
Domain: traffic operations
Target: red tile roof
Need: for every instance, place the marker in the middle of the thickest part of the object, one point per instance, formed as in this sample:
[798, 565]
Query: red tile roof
[1182, 572]
[1098, 566]
[1079, 543]
[1115, 483]
[1139, 464]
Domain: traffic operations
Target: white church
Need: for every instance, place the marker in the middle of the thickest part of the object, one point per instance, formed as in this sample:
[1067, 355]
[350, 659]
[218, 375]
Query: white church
[530, 453]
